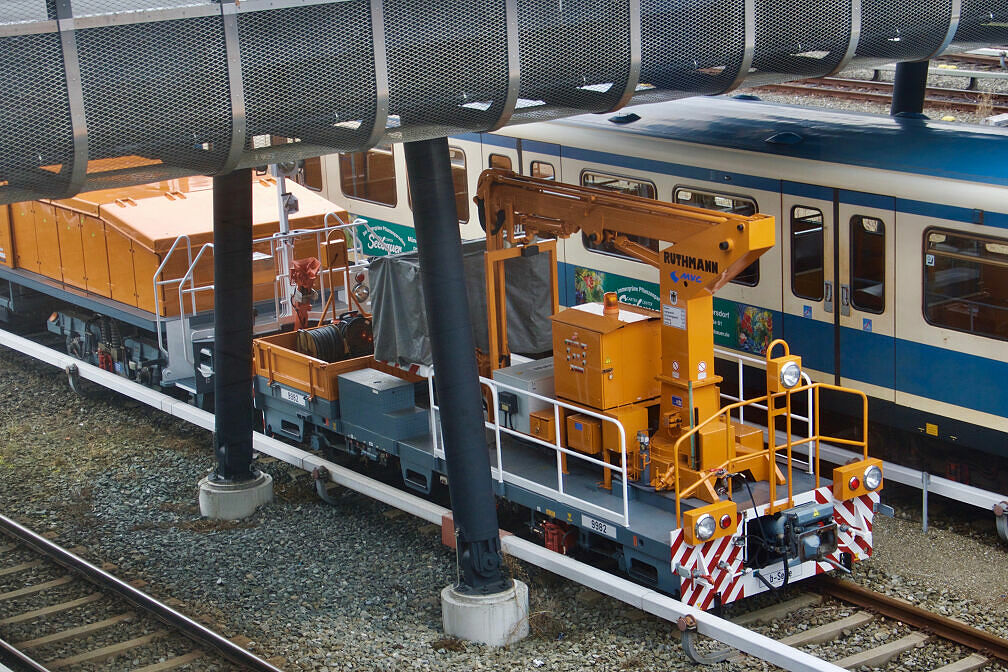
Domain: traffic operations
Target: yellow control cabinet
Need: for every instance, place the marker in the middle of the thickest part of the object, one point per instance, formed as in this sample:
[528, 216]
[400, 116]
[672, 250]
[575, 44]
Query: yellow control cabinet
[604, 361]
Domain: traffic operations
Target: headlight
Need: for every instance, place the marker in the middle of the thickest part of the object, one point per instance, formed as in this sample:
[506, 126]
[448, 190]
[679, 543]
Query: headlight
[872, 477]
[361, 292]
[790, 374]
[705, 527]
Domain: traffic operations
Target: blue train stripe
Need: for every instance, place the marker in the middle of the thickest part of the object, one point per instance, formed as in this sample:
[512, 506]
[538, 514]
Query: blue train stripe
[868, 357]
[867, 200]
[952, 376]
[811, 339]
[538, 147]
[910, 206]
[807, 190]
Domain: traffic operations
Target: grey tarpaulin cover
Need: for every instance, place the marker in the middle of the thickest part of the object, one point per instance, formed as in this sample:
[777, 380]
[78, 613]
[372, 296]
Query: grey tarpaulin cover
[400, 318]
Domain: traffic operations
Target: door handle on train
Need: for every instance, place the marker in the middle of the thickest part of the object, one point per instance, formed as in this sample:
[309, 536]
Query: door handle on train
[845, 300]
[828, 296]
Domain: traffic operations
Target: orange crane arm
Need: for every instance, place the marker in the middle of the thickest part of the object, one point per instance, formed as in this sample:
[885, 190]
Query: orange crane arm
[712, 247]
[703, 251]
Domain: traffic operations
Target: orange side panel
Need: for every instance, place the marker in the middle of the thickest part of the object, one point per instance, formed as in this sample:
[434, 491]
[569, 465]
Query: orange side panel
[71, 254]
[96, 260]
[122, 287]
[23, 229]
[6, 237]
[47, 238]
[145, 263]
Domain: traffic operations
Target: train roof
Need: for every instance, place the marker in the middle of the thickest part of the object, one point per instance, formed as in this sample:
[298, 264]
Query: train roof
[919, 146]
[156, 214]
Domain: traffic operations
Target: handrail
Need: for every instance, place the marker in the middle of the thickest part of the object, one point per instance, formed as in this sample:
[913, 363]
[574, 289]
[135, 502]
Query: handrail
[158, 283]
[561, 452]
[815, 439]
[273, 240]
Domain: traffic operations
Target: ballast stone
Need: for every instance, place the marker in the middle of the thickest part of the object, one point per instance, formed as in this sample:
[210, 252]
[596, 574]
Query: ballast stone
[234, 501]
[499, 619]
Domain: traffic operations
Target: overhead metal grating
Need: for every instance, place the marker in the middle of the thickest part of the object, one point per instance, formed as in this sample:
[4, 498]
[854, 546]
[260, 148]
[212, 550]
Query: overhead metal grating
[99, 93]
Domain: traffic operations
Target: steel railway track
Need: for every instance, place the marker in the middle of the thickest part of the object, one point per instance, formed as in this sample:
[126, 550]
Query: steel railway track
[962, 100]
[928, 629]
[42, 583]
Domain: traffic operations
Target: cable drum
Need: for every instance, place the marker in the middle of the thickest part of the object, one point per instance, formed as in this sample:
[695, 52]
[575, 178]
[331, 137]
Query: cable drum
[349, 336]
[325, 343]
[357, 333]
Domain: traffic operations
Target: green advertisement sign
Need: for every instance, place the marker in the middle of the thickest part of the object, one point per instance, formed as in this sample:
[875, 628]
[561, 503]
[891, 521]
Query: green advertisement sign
[736, 325]
[742, 327]
[590, 286]
[379, 239]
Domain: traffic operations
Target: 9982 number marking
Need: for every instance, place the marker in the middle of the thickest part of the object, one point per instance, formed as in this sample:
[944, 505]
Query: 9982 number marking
[598, 526]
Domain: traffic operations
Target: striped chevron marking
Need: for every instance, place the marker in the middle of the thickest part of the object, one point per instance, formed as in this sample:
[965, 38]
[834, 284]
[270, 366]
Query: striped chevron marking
[717, 564]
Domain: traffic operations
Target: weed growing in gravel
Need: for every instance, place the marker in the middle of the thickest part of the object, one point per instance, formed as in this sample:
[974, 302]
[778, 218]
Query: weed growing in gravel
[448, 644]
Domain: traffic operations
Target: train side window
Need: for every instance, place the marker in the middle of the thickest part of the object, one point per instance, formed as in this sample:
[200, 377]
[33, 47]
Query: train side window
[807, 276]
[867, 267]
[966, 283]
[723, 203]
[500, 161]
[460, 181]
[311, 173]
[369, 176]
[543, 170]
[624, 185]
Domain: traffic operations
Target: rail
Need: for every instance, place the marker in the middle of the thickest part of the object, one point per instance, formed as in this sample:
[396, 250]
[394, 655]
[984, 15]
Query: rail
[736, 464]
[662, 606]
[105, 581]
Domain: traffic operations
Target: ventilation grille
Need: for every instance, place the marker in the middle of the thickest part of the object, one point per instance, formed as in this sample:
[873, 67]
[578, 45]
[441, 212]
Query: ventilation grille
[135, 91]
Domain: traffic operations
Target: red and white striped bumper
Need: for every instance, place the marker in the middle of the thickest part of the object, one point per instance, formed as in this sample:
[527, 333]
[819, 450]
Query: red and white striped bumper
[717, 566]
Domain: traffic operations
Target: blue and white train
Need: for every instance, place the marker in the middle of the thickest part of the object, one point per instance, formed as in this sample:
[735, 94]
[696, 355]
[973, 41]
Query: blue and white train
[891, 269]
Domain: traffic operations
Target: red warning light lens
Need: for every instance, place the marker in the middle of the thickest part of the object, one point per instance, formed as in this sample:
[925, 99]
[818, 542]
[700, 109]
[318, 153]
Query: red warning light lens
[359, 277]
[726, 521]
[854, 483]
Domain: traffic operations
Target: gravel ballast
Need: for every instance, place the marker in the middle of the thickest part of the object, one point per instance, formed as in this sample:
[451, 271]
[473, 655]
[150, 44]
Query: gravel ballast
[355, 586]
[352, 586]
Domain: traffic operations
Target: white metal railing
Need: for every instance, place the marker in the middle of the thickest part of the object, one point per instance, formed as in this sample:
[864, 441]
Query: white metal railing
[188, 289]
[501, 474]
[741, 360]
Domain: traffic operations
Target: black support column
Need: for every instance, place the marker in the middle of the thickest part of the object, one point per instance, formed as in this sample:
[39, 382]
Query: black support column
[908, 88]
[232, 360]
[456, 375]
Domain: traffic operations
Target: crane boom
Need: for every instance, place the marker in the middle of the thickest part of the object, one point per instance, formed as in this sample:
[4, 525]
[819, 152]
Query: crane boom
[703, 251]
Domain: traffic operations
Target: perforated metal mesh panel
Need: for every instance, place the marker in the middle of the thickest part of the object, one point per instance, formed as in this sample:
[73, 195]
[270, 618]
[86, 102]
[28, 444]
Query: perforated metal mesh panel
[308, 76]
[902, 30]
[448, 69]
[796, 37]
[690, 47]
[36, 143]
[575, 56]
[100, 93]
[983, 22]
[156, 104]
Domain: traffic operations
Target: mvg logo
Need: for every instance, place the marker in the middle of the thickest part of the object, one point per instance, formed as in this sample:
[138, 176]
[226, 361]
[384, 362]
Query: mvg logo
[689, 277]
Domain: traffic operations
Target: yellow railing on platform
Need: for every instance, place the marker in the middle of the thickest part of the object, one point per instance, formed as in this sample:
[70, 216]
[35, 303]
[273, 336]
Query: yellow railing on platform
[736, 464]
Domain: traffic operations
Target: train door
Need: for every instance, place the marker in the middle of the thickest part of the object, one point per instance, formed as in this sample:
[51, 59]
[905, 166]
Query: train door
[809, 299]
[865, 273]
[539, 159]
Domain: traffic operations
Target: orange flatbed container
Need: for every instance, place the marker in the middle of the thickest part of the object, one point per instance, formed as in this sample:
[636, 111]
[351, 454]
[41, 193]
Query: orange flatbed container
[277, 360]
[111, 243]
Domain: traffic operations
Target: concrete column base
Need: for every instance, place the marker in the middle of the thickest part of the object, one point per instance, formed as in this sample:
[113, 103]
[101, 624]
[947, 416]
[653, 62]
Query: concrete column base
[498, 620]
[233, 501]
